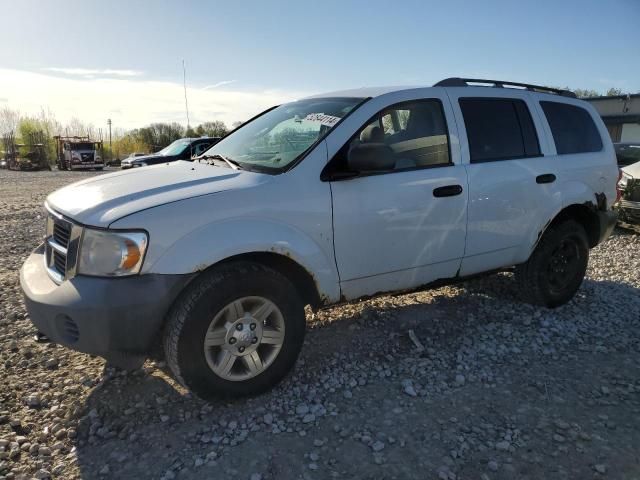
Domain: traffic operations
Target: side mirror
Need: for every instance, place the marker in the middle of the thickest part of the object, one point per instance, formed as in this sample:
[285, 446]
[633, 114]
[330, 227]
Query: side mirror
[370, 157]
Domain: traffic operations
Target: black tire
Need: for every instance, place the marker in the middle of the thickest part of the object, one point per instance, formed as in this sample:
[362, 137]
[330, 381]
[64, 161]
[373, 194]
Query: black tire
[546, 279]
[190, 316]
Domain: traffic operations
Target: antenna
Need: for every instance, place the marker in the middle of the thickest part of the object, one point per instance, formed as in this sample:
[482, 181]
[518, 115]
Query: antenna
[184, 82]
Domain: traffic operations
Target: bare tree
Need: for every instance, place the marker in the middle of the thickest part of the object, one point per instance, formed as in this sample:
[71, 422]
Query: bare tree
[9, 120]
[75, 126]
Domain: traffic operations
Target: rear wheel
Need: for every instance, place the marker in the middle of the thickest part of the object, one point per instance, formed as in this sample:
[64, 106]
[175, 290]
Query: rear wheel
[554, 272]
[236, 330]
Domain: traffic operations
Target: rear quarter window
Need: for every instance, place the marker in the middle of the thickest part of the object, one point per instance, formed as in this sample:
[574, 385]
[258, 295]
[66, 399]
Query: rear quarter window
[572, 128]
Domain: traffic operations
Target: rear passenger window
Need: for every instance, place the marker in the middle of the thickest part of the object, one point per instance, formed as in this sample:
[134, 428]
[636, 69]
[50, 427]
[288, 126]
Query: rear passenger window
[572, 128]
[499, 129]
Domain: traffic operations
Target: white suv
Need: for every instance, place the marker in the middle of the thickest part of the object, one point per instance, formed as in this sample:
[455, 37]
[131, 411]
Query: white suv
[318, 201]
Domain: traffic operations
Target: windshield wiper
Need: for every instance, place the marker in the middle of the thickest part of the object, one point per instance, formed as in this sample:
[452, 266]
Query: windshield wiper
[232, 163]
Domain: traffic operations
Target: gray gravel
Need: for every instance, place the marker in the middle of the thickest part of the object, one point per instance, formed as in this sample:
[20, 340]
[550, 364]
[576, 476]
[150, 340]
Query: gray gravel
[500, 389]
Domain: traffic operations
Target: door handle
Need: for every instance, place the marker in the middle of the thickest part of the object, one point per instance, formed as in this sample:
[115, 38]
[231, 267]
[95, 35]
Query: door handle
[546, 178]
[448, 191]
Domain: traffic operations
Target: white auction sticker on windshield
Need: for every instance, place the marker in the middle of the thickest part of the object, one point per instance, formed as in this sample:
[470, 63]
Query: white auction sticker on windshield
[328, 120]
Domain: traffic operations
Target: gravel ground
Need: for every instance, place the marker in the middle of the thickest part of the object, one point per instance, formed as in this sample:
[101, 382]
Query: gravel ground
[501, 390]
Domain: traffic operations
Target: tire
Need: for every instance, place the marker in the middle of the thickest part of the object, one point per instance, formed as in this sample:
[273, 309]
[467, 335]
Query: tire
[554, 272]
[208, 298]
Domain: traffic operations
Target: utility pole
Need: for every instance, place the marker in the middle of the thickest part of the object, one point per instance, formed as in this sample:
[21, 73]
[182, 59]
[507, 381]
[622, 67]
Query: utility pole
[110, 150]
[184, 82]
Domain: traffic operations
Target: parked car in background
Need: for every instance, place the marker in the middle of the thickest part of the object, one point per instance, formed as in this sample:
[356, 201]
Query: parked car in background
[116, 162]
[629, 192]
[627, 153]
[323, 200]
[182, 149]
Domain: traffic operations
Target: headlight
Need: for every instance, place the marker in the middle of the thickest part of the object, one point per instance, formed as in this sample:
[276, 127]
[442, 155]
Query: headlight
[107, 253]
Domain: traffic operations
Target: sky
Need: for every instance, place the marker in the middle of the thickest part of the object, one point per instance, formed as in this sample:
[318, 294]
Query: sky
[122, 60]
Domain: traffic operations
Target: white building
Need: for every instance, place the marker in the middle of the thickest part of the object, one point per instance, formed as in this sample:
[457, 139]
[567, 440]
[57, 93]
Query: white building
[621, 115]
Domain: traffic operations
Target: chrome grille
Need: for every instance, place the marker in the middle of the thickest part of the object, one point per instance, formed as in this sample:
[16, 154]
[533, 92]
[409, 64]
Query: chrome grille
[60, 262]
[61, 233]
[61, 247]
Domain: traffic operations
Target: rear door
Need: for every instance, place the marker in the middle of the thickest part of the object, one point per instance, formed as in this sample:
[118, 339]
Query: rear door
[513, 187]
[582, 150]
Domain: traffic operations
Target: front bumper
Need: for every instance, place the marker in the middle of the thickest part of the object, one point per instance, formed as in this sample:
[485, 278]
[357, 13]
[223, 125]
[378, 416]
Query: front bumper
[101, 316]
[82, 166]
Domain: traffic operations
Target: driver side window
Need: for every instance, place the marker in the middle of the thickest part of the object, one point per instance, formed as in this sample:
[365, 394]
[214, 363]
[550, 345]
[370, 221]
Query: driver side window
[415, 132]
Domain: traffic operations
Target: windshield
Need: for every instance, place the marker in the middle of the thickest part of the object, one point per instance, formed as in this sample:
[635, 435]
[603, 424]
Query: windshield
[82, 146]
[176, 148]
[277, 138]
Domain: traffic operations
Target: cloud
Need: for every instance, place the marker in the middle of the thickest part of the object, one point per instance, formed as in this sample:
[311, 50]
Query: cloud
[131, 102]
[219, 84]
[92, 72]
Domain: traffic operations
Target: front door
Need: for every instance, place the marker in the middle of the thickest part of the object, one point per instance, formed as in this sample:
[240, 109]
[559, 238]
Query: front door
[403, 225]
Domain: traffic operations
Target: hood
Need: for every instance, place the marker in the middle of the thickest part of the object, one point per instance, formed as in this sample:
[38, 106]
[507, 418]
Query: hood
[633, 170]
[101, 200]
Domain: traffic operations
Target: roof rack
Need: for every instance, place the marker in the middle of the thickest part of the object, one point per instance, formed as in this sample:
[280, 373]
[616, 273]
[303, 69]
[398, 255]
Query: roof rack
[464, 82]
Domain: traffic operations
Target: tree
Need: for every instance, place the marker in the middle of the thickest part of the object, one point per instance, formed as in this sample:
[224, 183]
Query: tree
[125, 144]
[587, 93]
[76, 127]
[9, 120]
[33, 130]
[216, 128]
[158, 135]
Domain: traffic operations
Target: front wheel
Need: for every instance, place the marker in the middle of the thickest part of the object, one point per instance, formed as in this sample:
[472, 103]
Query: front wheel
[235, 331]
[554, 272]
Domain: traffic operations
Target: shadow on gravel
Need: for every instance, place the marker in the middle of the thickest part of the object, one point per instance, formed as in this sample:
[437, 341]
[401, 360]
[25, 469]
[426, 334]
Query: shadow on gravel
[136, 425]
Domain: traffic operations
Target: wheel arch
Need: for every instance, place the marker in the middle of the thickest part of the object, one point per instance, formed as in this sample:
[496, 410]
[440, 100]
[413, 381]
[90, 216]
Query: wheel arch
[304, 281]
[586, 214]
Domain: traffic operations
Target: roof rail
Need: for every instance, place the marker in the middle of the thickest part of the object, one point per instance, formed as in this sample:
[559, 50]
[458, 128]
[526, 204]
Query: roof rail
[464, 82]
